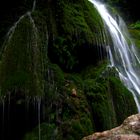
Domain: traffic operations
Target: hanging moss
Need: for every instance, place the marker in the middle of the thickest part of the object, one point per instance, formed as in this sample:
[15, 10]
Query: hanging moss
[20, 63]
[75, 31]
[98, 100]
[121, 98]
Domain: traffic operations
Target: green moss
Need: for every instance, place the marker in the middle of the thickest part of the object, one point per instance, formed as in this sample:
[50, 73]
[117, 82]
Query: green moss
[99, 102]
[135, 33]
[57, 75]
[75, 27]
[121, 98]
[94, 72]
[107, 96]
[135, 25]
[69, 117]
[20, 63]
[77, 24]
[47, 132]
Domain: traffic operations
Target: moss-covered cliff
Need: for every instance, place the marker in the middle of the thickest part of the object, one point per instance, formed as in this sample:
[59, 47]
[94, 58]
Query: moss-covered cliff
[54, 79]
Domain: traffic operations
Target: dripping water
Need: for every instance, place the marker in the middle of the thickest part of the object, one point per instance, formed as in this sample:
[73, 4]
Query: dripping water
[122, 54]
[38, 107]
[3, 114]
[34, 5]
[11, 31]
[9, 102]
[34, 28]
[37, 100]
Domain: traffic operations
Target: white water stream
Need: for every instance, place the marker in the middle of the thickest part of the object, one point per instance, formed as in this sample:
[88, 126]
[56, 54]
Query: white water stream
[122, 53]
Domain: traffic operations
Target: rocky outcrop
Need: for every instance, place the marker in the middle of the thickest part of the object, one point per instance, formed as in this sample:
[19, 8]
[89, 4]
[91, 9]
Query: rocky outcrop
[128, 130]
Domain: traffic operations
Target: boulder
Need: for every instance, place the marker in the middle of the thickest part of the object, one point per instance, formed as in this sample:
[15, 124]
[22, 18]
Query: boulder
[128, 130]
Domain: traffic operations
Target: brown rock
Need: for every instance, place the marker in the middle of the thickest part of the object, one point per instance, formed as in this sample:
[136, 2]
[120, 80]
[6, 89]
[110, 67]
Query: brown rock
[74, 92]
[129, 130]
[126, 137]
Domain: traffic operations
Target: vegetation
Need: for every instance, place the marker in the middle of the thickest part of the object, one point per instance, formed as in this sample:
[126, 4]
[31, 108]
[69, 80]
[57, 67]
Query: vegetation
[134, 30]
[52, 71]
[97, 105]
[20, 62]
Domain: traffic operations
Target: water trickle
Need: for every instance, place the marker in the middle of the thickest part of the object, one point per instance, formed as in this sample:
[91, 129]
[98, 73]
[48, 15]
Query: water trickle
[3, 112]
[13, 28]
[27, 103]
[9, 101]
[34, 5]
[11, 31]
[38, 107]
[122, 53]
[10, 34]
[34, 26]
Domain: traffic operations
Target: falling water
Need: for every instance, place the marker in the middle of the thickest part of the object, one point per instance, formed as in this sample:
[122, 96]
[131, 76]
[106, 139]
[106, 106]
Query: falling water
[122, 54]
[38, 108]
[34, 5]
[10, 33]
[34, 27]
[3, 113]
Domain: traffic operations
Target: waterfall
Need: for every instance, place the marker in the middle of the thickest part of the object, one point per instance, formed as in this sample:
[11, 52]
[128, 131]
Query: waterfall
[122, 52]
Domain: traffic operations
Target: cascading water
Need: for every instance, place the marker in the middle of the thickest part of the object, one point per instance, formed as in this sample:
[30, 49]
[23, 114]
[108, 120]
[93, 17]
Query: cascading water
[122, 53]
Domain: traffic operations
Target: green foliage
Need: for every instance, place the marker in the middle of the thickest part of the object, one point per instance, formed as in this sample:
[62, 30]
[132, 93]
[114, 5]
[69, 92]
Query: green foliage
[94, 72]
[57, 75]
[135, 33]
[47, 132]
[135, 25]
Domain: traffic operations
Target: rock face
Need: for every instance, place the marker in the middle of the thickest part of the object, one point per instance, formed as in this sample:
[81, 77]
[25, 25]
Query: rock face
[128, 130]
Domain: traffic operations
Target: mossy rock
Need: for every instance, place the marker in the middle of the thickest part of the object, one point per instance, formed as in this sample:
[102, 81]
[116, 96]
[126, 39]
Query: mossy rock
[121, 98]
[99, 102]
[71, 38]
[21, 61]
